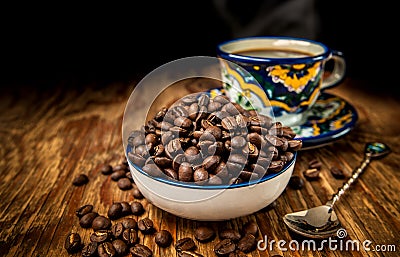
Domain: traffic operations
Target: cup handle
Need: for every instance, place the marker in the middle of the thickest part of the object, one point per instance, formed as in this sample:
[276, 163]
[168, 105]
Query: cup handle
[338, 72]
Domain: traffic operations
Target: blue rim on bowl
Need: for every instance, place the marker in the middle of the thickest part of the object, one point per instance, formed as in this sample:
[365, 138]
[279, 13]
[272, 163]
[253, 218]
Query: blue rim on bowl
[257, 60]
[208, 187]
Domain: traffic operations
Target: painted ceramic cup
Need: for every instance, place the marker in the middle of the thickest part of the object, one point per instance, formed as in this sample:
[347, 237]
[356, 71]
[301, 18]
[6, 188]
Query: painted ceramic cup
[290, 73]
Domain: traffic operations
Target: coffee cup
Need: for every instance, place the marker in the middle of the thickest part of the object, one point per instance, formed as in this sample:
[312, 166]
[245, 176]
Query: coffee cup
[285, 74]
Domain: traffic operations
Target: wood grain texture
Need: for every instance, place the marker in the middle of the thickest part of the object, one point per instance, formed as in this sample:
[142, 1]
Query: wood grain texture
[49, 136]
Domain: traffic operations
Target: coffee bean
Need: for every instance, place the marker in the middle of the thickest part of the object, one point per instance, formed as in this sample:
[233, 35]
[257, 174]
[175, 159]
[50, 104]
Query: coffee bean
[247, 243]
[161, 113]
[224, 247]
[85, 209]
[200, 176]
[106, 169]
[295, 145]
[137, 194]
[214, 131]
[120, 247]
[237, 253]
[151, 138]
[129, 223]
[130, 236]
[86, 220]
[211, 162]
[126, 208]
[163, 238]
[146, 226]
[140, 250]
[101, 222]
[121, 167]
[117, 230]
[115, 211]
[100, 236]
[136, 159]
[296, 182]
[337, 172]
[238, 142]
[189, 254]
[250, 227]
[311, 173]
[124, 184]
[90, 250]
[106, 249]
[185, 244]
[182, 122]
[314, 164]
[231, 234]
[117, 175]
[137, 208]
[185, 172]
[214, 180]
[204, 233]
[80, 180]
[73, 243]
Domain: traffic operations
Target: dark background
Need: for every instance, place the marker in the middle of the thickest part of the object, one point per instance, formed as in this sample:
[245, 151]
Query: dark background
[113, 43]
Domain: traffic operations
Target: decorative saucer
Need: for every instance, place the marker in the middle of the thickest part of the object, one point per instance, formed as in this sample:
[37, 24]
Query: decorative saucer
[329, 119]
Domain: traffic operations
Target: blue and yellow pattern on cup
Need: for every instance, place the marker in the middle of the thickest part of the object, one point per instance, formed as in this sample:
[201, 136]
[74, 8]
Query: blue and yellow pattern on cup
[290, 75]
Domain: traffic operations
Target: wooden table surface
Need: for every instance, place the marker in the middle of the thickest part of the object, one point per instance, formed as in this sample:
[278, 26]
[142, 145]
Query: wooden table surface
[49, 136]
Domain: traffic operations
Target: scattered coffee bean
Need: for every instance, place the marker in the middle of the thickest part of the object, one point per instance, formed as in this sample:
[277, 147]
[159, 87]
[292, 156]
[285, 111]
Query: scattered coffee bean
[139, 250]
[337, 172]
[80, 180]
[185, 244]
[189, 254]
[129, 223]
[101, 222]
[106, 169]
[224, 247]
[296, 182]
[314, 164]
[124, 184]
[247, 243]
[73, 243]
[120, 247]
[85, 209]
[250, 227]
[311, 174]
[137, 208]
[115, 211]
[137, 194]
[126, 208]
[163, 238]
[106, 249]
[100, 236]
[117, 229]
[117, 175]
[204, 233]
[237, 253]
[231, 234]
[121, 167]
[146, 226]
[90, 250]
[130, 236]
[86, 220]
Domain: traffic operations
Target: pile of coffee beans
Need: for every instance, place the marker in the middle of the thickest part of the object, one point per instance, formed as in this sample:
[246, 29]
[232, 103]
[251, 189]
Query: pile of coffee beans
[211, 141]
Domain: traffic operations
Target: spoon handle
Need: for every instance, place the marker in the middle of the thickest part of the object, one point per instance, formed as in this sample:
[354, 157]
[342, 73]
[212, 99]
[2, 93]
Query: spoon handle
[356, 173]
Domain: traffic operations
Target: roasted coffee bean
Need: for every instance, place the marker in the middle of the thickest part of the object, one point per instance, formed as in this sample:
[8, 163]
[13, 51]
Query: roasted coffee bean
[80, 180]
[211, 162]
[163, 162]
[177, 161]
[179, 111]
[146, 226]
[189, 254]
[173, 148]
[136, 138]
[193, 110]
[200, 175]
[276, 166]
[152, 170]
[121, 167]
[247, 243]
[90, 250]
[224, 247]
[100, 236]
[129, 223]
[116, 175]
[161, 113]
[106, 249]
[230, 108]
[214, 106]
[311, 174]
[130, 236]
[337, 172]
[258, 169]
[136, 159]
[85, 209]
[314, 164]
[295, 145]
[192, 154]
[221, 170]
[229, 123]
[296, 182]
[137, 194]
[126, 208]
[203, 100]
[214, 131]
[137, 208]
[217, 148]
[124, 184]
[246, 175]
[204, 234]
[231, 234]
[237, 253]
[288, 133]
[189, 99]
[185, 172]
[214, 180]
[139, 250]
[73, 243]
[106, 169]
[151, 138]
[163, 238]
[182, 122]
[101, 222]
[166, 137]
[86, 220]
[250, 227]
[115, 211]
[117, 229]
[223, 99]
[120, 247]
[171, 173]
[238, 142]
[185, 244]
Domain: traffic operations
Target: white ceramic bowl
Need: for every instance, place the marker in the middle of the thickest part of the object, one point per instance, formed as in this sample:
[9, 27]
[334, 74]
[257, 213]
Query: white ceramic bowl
[212, 203]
